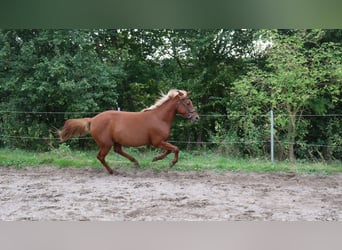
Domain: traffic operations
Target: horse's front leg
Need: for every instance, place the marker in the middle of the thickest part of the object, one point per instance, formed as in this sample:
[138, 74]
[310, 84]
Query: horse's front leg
[169, 148]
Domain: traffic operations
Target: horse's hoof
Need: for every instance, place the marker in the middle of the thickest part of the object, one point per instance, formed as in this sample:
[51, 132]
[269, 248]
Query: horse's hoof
[113, 172]
[172, 164]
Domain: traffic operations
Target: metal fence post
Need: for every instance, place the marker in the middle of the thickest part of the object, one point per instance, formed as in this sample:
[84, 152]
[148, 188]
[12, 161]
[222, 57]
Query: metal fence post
[272, 137]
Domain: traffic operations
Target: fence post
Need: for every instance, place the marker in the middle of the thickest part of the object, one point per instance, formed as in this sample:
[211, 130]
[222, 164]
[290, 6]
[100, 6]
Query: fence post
[272, 137]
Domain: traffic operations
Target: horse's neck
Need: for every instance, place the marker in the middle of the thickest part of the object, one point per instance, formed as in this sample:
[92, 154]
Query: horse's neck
[167, 111]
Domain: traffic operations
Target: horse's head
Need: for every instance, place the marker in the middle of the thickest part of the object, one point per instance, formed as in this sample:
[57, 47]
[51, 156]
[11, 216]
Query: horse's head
[185, 107]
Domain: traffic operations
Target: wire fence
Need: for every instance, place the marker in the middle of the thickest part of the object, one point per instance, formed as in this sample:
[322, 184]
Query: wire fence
[203, 116]
[181, 142]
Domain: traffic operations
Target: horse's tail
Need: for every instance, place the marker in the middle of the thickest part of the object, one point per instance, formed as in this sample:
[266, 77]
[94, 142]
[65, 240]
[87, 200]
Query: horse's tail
[74, 127]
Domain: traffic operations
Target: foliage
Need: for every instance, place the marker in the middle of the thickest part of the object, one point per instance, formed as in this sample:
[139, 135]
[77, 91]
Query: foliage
[51, 71]
[236, 76]
[291, 81]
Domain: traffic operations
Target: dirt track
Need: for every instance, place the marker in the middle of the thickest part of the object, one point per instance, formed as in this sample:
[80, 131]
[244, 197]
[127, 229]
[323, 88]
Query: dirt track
[49, 193]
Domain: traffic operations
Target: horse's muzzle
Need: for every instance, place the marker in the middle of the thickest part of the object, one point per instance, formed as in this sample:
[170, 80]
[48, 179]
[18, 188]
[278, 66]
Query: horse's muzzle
[193, 116]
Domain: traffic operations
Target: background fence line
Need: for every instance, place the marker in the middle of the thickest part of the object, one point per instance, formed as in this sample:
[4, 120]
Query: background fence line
[271, 142]
[201, 115]
[183, 142]
[223, 142]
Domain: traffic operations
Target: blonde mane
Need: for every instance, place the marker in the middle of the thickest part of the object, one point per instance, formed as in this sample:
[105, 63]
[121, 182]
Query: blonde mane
[165, 97]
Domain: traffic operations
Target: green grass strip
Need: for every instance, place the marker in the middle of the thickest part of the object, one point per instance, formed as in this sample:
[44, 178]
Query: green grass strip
[188, 161]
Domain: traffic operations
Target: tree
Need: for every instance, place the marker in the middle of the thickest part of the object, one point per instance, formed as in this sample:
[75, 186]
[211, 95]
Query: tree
[207, 62]
[292, 78]
[204, 61]
[49, 71]
[238, 75]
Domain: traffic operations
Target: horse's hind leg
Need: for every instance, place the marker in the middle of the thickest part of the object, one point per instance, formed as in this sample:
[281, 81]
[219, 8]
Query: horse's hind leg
[118, 149]
[162, 156]
[102, 155]
[169, 148]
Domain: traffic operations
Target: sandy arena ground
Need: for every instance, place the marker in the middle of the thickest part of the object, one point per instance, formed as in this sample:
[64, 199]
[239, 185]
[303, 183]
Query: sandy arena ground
[49, 193]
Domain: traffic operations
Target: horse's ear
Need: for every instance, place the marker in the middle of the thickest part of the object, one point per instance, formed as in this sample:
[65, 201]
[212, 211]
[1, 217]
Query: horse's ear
[188, 93]
[180, 93]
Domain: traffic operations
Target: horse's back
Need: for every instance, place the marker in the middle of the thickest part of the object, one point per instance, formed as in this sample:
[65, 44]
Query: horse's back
[111, 119]
[125, 128]
[119, 118]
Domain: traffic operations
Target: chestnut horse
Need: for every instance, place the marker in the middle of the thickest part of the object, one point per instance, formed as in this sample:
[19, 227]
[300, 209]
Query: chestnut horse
[151, 126]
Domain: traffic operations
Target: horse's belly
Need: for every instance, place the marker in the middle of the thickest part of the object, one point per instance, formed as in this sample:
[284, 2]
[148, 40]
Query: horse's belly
[131, 137]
